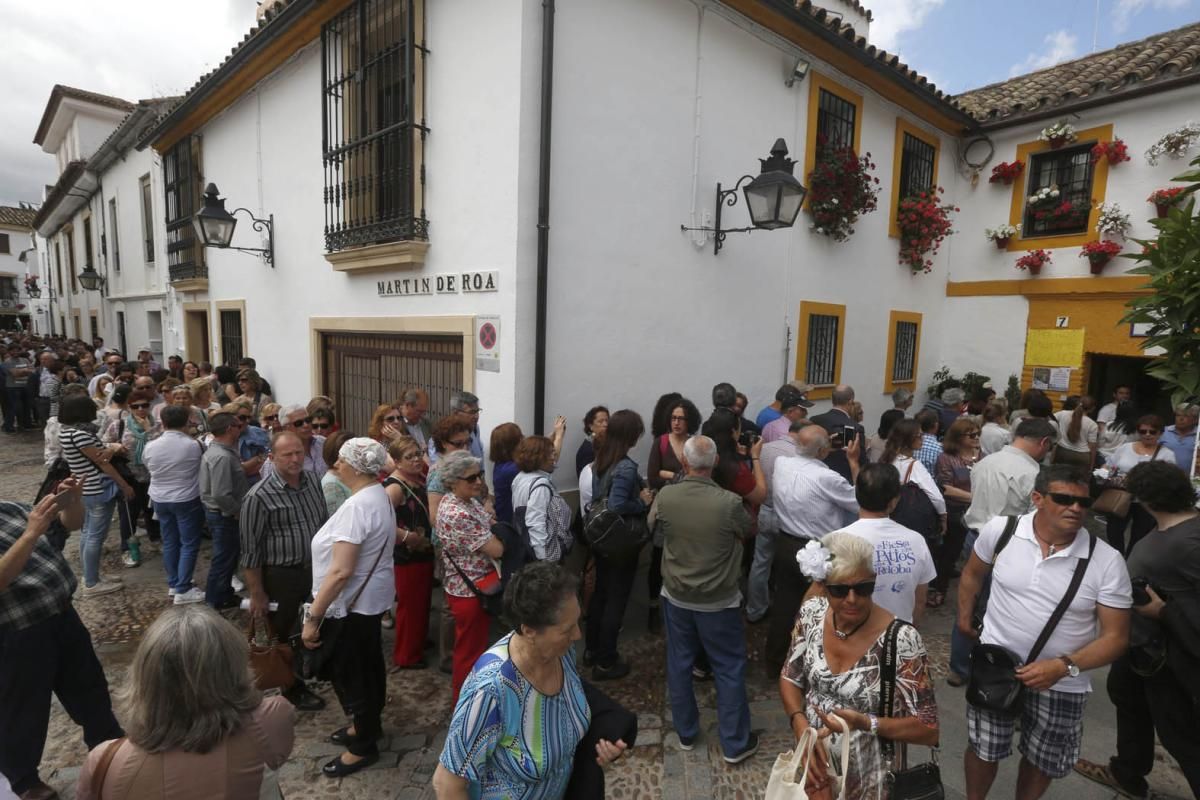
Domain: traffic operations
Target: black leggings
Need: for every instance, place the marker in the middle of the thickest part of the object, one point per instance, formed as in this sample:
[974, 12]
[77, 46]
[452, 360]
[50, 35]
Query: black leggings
[654, 576]
[947, 555]
[360, 679]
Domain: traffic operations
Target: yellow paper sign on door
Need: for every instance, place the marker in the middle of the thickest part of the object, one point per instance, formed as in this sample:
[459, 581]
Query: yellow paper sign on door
[1054, 348]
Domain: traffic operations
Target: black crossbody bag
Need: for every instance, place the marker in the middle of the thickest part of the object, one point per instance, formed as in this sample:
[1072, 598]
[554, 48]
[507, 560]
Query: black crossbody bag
[924, 781]
[994, 684]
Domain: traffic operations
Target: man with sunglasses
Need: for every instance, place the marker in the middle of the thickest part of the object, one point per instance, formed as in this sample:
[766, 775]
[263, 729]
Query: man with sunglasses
[466, 407]
[297, 420]
[253, 443]
[1030, 577]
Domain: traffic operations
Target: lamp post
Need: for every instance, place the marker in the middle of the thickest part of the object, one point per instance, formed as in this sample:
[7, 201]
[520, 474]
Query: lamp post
[773, 197]
[214, 225]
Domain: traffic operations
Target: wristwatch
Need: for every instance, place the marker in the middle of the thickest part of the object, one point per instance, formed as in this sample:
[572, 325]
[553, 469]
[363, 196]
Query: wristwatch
[874, 724]
[1072, 667]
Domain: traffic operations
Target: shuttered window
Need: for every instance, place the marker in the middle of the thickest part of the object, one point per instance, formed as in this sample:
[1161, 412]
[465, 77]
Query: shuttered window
[181, 184]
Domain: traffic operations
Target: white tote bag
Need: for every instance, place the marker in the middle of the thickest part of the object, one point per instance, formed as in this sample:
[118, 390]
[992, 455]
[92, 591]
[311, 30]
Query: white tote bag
[786, 784]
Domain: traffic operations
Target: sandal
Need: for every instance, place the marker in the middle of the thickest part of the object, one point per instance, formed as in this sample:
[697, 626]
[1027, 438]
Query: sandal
[1103, 775]
[935, 599]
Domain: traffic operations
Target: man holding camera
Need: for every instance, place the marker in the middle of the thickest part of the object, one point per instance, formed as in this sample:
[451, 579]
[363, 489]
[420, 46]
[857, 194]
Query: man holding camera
[1030, 578]
[839, 422]
[1153, 686]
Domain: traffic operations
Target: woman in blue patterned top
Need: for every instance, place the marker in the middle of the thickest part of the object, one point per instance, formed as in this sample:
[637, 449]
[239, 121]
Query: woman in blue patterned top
[522, 710]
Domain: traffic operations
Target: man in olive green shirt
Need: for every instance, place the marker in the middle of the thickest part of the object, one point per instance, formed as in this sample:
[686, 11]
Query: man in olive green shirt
[703, 528]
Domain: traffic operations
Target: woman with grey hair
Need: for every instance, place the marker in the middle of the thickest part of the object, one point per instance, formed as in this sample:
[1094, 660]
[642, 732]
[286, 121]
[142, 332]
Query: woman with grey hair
[352, 588]
[834, 669]
[469, 555]
[195, 725]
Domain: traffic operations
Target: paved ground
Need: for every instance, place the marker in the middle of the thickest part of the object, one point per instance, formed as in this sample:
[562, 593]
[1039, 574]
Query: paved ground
[419, 703]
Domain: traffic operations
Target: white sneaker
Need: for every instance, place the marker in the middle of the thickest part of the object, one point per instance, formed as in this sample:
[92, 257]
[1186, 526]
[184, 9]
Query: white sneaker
[192, 595]
[103, 587]
[171, 592]
[238, 586]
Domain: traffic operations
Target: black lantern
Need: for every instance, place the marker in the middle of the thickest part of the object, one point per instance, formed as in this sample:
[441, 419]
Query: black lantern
[90, 279]
[773, 198]
[214, 225]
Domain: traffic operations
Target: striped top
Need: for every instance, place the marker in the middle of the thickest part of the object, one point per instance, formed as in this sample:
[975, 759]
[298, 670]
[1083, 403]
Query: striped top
[73, 440]
[278, 522]
[508, 739]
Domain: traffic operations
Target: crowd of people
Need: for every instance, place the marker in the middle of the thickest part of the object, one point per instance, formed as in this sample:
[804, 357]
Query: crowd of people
[838, 540]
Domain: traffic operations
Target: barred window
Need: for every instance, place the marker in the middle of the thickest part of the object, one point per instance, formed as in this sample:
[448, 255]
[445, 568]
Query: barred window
[904, 354]
[373, 128]
[1070, 169]
[232, 347]
[181, 182]
[821, 359]
[917, 159]
[835, 121]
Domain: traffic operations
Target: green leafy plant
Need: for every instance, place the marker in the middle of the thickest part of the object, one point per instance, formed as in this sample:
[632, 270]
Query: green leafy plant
[943, 379]
[1171, 264]
[1012, 393]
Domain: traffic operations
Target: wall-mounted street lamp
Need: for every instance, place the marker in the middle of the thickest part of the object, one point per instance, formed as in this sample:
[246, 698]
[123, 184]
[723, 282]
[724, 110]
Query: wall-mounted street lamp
[90, 280]
[773, 197]
[215, 226]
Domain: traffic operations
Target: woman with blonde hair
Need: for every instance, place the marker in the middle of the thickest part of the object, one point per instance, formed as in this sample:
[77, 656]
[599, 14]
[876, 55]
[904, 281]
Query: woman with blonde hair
[269, 418]
[994, 433]
[100, 398]
[196, 727]
[1080, 437]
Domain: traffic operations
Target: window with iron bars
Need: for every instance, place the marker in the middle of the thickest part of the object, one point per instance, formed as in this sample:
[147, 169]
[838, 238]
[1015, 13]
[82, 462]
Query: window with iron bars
[917, 160]
[181, 185]
[231, 336]
[904, 358]
[835, 121]
[1070, 169]
[373, 128]
[821, 359]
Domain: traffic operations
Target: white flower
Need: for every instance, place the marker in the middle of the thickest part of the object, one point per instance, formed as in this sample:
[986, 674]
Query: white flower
[814, 560]
[1174, 144]
[1054, 192]
[834, 201]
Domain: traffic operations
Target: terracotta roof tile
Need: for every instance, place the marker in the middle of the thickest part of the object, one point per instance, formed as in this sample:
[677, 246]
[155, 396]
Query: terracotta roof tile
[1139, 65]
[59, 92]
[17, 217]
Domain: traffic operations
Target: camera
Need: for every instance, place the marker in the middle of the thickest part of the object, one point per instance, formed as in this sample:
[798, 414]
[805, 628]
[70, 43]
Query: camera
[1140, 596]
[748, 438]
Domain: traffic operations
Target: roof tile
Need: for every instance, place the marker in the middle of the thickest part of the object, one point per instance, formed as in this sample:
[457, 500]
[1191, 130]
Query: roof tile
[17, 217]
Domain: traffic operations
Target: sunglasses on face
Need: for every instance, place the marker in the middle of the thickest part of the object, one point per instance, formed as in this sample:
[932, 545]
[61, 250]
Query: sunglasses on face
[840, 591]
[139, 405]
[474, 478]
[272, 418]
[321, 426]
[1147, 432]
[1067, 500]
[300, 423]
[393, 419]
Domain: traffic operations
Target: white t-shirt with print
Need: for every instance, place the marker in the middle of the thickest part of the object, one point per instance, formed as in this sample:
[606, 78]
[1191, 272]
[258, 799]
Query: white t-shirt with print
[366, 519]
[902, 563]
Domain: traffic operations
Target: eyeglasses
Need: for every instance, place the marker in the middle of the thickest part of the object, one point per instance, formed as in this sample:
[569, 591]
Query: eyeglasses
[271, 418]
[474, 478]
[139, 405]
[1147, 432]
[322, 426]
[678, 419]
[393, 418]
[1068, 500]
[460, 443]
[841, 591]
[974, 435]
[300, 423]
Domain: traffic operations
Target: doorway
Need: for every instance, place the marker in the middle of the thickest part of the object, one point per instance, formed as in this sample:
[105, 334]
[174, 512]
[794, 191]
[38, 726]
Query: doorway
[195, 329]
[1106, 373]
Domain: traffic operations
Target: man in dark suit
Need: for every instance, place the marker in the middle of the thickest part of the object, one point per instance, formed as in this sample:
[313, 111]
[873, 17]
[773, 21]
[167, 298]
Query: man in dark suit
[834, 421]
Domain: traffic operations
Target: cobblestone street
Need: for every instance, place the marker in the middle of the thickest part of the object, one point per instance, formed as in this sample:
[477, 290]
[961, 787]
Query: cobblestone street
[419, 701]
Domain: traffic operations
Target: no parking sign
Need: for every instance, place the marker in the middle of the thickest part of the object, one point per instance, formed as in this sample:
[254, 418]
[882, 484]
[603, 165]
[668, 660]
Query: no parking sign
[487, 344]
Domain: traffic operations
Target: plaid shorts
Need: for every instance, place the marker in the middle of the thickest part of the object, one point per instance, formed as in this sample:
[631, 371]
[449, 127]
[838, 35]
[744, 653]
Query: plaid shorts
[1051, 731]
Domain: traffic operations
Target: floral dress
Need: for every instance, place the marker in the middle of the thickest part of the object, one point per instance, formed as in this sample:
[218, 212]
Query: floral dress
[464, 527]
[858, 688]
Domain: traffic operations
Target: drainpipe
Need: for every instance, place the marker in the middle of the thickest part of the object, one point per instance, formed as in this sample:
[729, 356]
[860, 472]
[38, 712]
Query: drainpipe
[543, 223]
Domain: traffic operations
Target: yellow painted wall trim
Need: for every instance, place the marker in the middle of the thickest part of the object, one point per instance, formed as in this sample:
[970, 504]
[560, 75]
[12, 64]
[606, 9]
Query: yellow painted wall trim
[894, 317]
[1021, 190]
[1127, 284]
[903, 126]
[818, 82]
[807, 308]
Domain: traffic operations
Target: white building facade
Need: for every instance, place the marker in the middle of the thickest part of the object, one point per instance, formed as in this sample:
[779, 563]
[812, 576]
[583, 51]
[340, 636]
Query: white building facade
[18, 261]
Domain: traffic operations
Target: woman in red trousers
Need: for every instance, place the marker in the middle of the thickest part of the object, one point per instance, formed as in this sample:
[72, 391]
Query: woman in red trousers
[413, 554]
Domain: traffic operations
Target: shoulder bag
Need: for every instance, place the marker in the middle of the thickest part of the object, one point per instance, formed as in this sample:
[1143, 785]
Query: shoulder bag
[102, 766]
[610, 535]
[993, 684]
[924, 781]
[492, 603]
[1114, 498]
[271, 663]
[981, 599]
[313, 663]
[915, 510]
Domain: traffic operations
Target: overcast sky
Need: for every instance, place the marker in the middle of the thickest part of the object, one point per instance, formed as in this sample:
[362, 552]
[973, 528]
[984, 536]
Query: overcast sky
[136, 49]
[132, 49]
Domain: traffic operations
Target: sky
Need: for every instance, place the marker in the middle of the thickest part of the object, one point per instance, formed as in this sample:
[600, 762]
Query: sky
[136, 49]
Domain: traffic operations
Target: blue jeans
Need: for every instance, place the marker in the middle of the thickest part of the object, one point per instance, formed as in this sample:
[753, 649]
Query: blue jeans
[226, 547]
[97, 516]
[181, 524]
[720, 635]
[960, 645]
[758, 589]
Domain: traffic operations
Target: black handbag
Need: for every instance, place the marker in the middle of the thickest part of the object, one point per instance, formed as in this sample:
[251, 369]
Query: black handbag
[923, 781]
[617, 537]
[994, 684]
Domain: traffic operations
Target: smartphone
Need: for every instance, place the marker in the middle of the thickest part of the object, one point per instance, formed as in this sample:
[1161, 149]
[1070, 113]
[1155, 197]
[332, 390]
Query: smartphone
[849, 434]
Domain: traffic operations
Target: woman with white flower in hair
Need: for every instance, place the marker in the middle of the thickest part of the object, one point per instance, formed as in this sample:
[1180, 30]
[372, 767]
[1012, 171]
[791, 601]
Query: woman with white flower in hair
[352, 588]
[833, 670]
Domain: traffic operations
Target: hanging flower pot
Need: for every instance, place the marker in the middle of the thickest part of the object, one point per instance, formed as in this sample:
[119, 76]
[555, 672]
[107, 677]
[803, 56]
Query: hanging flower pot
[1097, 262]
[1033, 261]
[1163, 199]
[1058, 134]
[1001, 243]
[1162, 209]
[1099, 253]
[1057, 142]
[1001, 235]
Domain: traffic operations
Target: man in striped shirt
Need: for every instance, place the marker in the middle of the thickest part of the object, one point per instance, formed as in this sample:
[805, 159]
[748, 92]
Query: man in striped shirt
[279, 516]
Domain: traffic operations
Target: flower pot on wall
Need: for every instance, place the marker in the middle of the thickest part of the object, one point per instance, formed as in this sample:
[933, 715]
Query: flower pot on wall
[1035, 269]
[1002, 243]
[1163, 209]
[1057, 142]
[1097, 262]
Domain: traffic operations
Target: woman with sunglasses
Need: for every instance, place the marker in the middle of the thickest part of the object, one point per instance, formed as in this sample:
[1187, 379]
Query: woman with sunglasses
[960, 451]
[1144, 448]
[324, 423]
[133, 430]
[469, 552]
[412, 556]
[269, 419]
[386, 424]
[833, 670]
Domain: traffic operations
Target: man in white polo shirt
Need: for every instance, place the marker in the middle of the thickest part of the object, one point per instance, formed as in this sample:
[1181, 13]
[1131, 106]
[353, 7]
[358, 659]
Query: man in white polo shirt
[1030, 576]
[903, 564]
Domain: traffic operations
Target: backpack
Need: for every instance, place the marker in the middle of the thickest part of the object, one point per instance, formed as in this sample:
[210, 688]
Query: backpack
[56, 474]
[560, 539]
[517, 552]
[915, 510]
[611, 535]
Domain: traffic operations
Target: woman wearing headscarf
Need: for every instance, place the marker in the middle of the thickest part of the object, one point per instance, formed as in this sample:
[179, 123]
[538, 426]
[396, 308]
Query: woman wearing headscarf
[352, 588]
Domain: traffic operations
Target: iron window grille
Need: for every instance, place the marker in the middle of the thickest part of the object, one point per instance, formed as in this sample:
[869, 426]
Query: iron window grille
[71, 262]
[904, 358]
[116, 242]
[231, 337]
[916, 166]
[372, 137]
[148, 218]
[821, 359]
[181, 186]
[1070, 169]
[835, 121]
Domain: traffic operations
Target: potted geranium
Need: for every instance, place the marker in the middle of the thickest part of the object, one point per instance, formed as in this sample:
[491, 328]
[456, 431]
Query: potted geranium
[1045, 197]
[1033, 261]
[1099, 253]
[924, 222]
[1112, 221]
[1115, 152]
[1163, 199]
[840, 190]
[1058, 134]
[1006, 172]
[1001, 234]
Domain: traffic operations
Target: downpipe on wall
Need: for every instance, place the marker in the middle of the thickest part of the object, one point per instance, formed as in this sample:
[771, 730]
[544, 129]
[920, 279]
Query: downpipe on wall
[543, 223]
